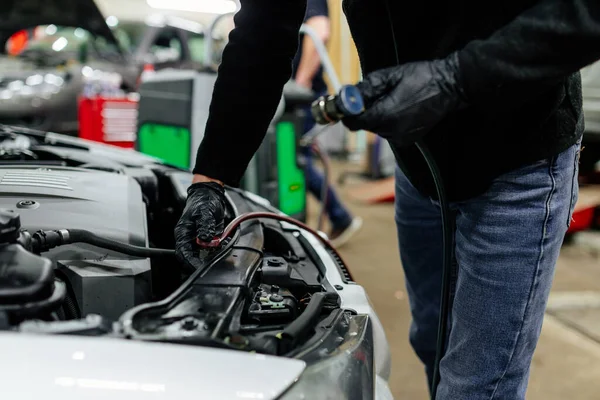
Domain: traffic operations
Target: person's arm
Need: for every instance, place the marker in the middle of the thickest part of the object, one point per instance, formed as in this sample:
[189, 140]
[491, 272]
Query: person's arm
[310, 60]
[538, 50]
[548, 42]
[256, 64]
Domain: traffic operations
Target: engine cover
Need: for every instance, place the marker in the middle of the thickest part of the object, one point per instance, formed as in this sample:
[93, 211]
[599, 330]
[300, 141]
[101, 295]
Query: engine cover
[108, 204]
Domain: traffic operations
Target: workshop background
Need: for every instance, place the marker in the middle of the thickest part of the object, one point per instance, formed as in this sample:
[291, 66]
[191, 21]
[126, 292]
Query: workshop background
[567, 361]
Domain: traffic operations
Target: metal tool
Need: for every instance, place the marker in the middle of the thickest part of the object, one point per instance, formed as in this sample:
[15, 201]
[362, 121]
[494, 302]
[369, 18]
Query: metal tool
[331, 109]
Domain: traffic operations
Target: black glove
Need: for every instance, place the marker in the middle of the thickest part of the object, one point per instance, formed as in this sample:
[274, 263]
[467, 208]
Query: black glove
[403, 103]
[202, 218]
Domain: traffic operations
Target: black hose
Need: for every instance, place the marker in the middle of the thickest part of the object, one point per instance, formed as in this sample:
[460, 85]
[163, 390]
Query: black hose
[302, 325]
[83, 236]
[448, 238]
[448, 245]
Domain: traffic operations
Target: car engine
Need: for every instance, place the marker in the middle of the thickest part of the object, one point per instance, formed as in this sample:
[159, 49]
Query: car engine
[108, 204]
[79, 226]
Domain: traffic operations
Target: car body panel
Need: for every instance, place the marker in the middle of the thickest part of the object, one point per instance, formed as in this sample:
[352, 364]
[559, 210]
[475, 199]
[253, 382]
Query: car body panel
[355, 297]
[73, 368]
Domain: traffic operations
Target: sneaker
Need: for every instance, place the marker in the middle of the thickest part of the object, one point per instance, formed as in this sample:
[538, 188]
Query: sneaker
[340, 237]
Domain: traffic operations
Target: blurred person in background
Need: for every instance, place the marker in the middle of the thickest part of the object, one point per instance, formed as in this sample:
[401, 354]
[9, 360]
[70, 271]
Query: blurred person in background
[308, 73]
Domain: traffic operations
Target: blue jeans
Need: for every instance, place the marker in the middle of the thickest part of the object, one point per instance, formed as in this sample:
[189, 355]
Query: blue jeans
[338, 215]
[507, 243]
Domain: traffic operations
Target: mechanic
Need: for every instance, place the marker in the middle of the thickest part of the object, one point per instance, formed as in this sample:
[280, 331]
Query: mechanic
[495, 90]
[308, 72]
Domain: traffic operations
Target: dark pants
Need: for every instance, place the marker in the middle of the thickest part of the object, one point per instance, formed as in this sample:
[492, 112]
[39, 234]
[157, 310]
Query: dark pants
[338, 215]
[507, 243]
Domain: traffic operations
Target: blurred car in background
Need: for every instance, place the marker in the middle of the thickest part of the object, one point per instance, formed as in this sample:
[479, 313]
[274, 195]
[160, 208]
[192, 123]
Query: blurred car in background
[590, 81]
[47, 54]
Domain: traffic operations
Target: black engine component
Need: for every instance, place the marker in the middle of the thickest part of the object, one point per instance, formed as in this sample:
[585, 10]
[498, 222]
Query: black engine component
[293, 274]
[110, 205]
[263, 290]
[273, 305]
[27, 282]
[42, 241]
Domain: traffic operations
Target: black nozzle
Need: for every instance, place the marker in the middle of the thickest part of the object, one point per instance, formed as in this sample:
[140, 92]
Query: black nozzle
[331, 109]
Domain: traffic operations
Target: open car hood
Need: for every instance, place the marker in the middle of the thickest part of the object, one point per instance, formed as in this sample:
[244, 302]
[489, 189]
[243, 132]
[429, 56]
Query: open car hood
[23, 14]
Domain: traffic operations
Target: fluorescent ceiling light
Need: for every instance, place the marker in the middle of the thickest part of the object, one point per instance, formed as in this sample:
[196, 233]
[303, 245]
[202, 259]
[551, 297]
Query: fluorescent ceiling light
[203, 6]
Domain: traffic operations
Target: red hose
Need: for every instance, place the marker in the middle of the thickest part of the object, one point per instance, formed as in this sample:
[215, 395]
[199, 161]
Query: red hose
[233, 225]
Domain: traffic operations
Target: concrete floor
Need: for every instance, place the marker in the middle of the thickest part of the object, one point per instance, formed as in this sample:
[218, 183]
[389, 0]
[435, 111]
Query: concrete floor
[567, 360]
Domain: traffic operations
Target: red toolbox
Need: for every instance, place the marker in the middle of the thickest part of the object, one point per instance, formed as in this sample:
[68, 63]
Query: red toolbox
[585, 209]
[109, 120]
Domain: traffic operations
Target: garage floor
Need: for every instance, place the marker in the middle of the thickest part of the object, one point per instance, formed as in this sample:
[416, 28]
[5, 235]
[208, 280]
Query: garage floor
[567, 361]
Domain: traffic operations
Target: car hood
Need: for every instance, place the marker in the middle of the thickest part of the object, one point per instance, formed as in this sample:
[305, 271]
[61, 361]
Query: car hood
[23, 14]
[74, 368]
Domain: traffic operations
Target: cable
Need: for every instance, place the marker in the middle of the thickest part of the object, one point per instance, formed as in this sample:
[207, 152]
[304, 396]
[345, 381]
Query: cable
[45, 240]
[235, 224]
[447, 239]
[83, 236]
[127, 319]
[447, 243]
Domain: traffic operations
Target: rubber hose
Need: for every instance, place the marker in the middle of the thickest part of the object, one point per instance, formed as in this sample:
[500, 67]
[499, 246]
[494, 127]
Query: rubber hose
[306, 320]
[448, 238]
[448, 246]
[83, 236]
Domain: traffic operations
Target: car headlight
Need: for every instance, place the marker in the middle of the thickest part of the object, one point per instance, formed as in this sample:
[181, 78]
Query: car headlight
[341, 367]
[37, 85]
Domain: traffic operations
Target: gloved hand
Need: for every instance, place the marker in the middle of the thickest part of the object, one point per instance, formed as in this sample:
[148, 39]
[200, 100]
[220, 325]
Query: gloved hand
[202, 218]
[403, 103]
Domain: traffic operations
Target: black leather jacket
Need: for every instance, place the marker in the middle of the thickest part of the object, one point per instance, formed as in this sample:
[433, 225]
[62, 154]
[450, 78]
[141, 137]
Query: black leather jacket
[519, 61]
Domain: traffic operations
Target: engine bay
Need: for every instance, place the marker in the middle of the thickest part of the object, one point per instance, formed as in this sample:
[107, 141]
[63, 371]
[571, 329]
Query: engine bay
[264, 290]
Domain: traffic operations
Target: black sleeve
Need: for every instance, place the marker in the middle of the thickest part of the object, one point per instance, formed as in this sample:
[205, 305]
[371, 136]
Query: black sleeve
[542, 46]
[316, 8]
[256, 64]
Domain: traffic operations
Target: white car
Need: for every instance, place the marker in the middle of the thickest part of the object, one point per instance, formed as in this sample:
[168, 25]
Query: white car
[88, 312]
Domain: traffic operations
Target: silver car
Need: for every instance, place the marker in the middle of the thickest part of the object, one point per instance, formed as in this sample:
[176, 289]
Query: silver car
[87, 311]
